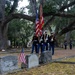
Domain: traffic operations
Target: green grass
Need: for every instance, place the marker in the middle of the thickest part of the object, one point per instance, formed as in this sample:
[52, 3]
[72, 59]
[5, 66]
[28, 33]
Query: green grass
[64, 67]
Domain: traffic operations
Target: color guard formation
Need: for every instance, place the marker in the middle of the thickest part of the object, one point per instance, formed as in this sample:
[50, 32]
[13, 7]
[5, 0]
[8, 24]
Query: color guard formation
[43, 43]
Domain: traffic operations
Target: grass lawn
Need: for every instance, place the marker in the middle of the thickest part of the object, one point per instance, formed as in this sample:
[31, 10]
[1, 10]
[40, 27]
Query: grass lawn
[64, 67]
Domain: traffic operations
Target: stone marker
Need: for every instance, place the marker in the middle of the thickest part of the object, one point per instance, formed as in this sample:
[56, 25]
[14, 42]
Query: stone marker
[8, 64]
[45, 57]
[32, 60]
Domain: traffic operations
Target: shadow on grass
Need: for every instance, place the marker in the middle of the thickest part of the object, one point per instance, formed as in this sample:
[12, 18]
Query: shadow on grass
[64, 62]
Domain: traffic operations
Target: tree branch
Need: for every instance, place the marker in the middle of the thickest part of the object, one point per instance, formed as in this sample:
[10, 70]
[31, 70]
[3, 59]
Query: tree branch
[61, 9]
[13, 6]
[19, 16]
[32, 18]
[46, 24]
[60, 15]
[66, 6]
[67, 29]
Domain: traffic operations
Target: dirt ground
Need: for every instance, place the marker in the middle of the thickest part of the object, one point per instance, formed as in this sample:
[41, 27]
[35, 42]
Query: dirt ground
[59, 52]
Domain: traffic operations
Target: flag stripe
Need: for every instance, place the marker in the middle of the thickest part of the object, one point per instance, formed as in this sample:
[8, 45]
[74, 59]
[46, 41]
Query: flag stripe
[37, 24]
[22, 57]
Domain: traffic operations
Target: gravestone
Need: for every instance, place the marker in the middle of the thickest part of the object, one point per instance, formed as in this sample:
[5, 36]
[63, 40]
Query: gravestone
[8, 64]
[45, 57]
[9, 43]
[32, 60]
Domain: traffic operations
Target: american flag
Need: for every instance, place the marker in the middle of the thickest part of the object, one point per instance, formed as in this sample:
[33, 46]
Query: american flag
[22, 57]
[37, 24]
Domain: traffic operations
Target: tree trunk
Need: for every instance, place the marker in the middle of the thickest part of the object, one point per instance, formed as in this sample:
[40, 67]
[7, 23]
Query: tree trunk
[3, 27]
[3, 36]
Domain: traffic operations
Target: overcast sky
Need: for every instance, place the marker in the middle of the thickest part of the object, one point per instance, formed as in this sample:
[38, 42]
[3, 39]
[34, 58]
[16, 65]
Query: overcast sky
[24, 3]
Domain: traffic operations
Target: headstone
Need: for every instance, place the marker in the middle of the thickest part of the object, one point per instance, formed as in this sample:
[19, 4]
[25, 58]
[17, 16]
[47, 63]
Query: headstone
[32, 60]
[8, 64]
[45, 57]
[9, 43]
[3, 50]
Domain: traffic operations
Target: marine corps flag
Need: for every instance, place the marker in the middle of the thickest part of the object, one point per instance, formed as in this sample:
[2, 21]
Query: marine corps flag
[38, 25]
[41, 17]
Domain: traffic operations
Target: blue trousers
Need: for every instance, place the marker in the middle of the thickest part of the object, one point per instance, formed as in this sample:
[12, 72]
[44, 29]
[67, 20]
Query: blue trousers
[38, 48]
[34, 47]
[41, 46]
[65, 46]
[52, 49]
[70, 46]
[46, 46]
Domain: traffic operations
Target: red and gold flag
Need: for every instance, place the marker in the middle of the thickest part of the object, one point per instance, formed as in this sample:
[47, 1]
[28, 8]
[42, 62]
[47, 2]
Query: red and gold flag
[41, 19]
